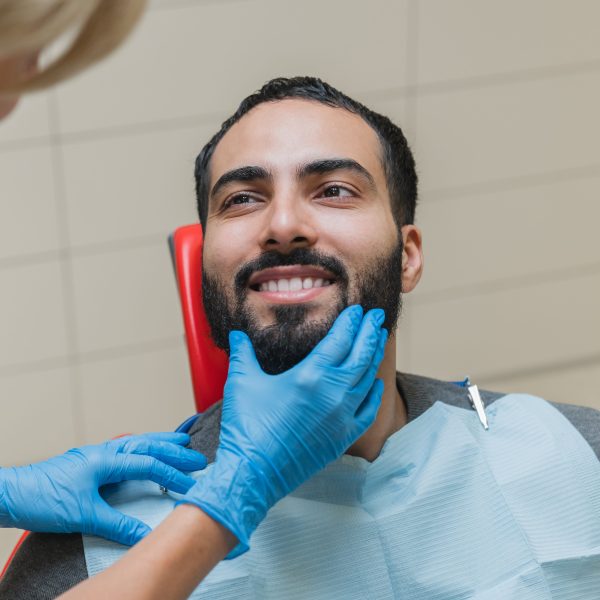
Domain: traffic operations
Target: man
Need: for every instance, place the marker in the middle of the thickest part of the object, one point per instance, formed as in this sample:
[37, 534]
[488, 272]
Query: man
[307, 200]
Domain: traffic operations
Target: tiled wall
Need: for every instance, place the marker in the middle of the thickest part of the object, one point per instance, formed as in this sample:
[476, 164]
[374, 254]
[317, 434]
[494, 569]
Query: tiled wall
[499, 100]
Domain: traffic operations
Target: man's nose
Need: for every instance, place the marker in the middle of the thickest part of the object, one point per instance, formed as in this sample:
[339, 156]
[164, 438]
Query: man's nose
[288, 226]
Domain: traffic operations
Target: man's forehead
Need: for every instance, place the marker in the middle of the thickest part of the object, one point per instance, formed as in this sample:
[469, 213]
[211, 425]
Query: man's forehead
[287, 133]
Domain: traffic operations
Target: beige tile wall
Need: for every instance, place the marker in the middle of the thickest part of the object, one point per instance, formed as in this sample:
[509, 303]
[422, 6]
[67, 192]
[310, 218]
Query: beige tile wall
[499, 100]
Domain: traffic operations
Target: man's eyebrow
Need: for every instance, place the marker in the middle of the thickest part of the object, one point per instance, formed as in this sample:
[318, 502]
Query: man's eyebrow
[240, 174]
[327, 165]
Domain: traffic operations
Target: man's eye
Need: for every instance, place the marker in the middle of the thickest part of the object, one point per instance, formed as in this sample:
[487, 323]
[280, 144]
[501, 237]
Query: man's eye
[239, 199]
[336, 191]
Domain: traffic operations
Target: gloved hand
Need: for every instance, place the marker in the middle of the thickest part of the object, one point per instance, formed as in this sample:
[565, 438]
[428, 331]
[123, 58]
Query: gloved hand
[279, 430]
[61, 495]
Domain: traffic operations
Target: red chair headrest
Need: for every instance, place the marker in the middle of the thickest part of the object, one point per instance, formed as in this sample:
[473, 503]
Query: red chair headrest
[208, 364]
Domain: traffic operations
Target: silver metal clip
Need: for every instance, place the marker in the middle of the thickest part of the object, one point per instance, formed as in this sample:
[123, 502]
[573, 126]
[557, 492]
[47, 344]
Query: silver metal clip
[477, 403]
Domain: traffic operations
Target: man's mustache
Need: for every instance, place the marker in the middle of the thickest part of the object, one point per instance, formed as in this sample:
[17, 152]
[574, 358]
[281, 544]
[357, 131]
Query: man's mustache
[298, 256]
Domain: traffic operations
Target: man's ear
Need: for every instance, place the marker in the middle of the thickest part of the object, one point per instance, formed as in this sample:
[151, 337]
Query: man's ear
[412, 257]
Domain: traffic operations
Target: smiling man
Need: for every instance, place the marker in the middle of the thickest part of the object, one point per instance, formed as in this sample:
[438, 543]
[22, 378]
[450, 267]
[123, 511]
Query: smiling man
[319, 220]
[307, 200]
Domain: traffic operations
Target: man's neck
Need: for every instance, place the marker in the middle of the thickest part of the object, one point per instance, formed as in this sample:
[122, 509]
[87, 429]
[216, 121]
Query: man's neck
[392, 412]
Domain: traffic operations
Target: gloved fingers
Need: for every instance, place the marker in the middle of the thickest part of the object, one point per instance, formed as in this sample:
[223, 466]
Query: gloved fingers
[174, 455]
[365, 347]
[242, 358]
[362, 388]
[335, 346]
[367, 411]
[173, 437]
[116, 526]
[134, 466]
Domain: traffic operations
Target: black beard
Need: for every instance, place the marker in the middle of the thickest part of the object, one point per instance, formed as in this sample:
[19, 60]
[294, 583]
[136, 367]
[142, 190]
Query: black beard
[292, 337]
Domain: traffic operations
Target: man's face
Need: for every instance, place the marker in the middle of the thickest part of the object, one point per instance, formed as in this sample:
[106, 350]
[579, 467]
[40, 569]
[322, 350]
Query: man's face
[299, 226]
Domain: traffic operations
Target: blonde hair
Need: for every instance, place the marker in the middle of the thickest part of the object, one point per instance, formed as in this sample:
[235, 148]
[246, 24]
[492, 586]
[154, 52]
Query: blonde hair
[29, 26]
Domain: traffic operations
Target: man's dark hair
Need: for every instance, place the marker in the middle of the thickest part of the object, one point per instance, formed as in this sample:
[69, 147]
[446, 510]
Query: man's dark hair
[397, 159]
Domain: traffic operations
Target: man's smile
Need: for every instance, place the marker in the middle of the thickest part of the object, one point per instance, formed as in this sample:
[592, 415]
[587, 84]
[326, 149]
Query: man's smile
[291, 284]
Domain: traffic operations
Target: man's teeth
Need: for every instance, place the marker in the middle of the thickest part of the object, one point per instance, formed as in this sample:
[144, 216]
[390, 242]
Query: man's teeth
[293, 285]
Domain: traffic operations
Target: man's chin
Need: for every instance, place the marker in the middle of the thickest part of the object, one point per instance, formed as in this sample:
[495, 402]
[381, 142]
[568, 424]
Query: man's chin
[279, 348]
[265, 309]
[289, 335]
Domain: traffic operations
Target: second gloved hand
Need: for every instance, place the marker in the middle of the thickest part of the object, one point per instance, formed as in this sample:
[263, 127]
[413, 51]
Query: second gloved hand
[279, 430]
[61, 495]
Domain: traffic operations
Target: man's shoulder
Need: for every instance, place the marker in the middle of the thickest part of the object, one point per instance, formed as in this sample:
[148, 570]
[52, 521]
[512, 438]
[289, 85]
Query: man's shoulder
[45, 566]
[586, 420]
[420, 393]
[204, 432]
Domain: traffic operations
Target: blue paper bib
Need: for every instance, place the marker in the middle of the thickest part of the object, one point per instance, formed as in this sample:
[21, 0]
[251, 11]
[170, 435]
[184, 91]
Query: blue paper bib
[448, 511]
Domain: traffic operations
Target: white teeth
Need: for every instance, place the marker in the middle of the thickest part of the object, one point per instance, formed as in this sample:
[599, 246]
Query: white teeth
[295, 284]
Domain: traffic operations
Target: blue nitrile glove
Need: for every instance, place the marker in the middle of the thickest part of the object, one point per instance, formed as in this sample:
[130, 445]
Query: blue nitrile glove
[279, 430]
[60, 495]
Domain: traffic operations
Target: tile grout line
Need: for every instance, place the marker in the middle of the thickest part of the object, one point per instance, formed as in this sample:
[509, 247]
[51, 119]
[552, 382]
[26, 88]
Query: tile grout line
[517, 182]
[107, 354]
[27, 260]
[41, 141]
[93, 249]
[510, 284]
[143, 127]
[93, 356]
[589, 360]
[112, 132]
[478, 82]
[66, 270]
[409, 90]
[500, 78]
[175, 4]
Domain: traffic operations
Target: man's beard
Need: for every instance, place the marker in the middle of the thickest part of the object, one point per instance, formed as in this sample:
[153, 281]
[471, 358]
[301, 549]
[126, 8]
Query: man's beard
[292, 336]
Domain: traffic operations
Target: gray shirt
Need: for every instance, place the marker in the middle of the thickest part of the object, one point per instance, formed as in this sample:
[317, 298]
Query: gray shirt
[47, 565]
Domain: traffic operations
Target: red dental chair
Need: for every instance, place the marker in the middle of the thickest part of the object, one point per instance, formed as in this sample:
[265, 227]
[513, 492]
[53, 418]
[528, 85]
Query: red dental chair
[208, 364]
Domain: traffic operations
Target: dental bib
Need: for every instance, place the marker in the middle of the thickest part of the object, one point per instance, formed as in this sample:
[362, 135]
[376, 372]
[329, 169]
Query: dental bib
[447, 511]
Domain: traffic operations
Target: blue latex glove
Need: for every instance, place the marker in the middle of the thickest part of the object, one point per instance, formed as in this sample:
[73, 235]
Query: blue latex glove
[279, 430]
[61, 495]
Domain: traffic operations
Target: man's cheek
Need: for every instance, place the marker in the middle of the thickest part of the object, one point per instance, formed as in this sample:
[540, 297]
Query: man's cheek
[351, 291]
